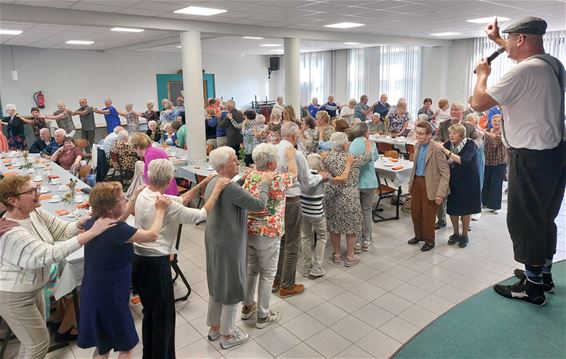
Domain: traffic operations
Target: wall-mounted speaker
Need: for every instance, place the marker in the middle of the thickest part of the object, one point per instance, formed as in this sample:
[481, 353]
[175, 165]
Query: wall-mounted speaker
[274, 63]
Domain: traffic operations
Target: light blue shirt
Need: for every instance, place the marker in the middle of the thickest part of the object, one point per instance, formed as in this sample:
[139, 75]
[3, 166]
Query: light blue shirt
[421, 160]
[368, 179]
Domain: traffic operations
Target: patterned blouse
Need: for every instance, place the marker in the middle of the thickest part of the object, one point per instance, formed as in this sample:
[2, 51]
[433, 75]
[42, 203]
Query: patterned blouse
[66, 122]
[495, 152]
[150, 115]
[37, 123]
[132, 122]
[326, 133]
[127, 157]
[309, 143]
[268, 222]
[376, 127]
[397, 120]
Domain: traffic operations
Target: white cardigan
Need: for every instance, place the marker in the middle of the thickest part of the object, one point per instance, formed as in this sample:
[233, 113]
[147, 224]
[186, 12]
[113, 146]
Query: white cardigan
[28, 250]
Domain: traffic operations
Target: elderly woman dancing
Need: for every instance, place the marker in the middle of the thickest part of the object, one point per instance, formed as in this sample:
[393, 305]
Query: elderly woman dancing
[342, 201]
[38, 240]
[152, 269]
[225, 243]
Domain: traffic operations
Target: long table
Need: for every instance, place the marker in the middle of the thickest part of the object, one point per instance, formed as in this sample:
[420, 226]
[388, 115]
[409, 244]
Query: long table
[397, 142]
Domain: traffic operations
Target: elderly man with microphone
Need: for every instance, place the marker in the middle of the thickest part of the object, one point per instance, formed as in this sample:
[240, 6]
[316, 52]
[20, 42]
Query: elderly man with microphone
[531, 95]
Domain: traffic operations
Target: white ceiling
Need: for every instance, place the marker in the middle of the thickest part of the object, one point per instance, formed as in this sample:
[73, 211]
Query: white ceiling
[414, 18]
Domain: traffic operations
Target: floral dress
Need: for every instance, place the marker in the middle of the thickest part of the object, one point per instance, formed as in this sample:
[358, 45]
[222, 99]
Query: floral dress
[37, 123]
[309, 143]
[342, 201]
[132, 122]
[397, 120]
[3, 140]
[16, 134]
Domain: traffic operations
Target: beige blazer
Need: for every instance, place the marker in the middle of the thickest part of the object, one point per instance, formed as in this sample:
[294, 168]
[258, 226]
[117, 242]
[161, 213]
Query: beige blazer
[437, 172]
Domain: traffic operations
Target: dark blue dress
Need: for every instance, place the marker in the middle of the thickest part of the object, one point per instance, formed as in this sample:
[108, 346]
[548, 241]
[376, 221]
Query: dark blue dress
[465, 192]
[105, 318]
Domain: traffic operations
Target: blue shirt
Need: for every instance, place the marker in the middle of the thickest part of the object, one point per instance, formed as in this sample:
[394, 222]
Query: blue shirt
[112, 119]
[368, 179]
[421, 160]
[358, 111]
[492, 112]
[52, 147]
[313, 110]
[221, 131]
[331, 108]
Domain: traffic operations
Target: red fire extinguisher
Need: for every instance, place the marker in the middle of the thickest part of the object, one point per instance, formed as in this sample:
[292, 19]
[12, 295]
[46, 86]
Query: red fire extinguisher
[39, 99]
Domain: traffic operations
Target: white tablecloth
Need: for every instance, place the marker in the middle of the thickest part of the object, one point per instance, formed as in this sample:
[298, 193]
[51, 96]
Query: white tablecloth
[398, 142]
[399, 177]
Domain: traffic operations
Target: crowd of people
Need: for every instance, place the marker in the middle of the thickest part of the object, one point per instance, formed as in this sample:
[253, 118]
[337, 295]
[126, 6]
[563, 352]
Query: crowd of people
[310, 178]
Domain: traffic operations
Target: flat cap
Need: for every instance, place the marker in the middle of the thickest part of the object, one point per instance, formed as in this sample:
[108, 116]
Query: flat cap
[528, 25]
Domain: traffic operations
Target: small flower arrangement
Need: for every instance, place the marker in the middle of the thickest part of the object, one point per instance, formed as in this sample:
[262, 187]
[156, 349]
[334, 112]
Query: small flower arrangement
[27, 163]
[70, 196]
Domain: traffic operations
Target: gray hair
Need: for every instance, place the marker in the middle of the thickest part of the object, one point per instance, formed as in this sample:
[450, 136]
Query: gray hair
[359, 129]
[314, 160]
[123, 135]
[472, 116]
[423, 117]
[353, 102]
[150, 102]
[263, 154]
[160, 172]
[10, 106]
[459, 105]
[46, 129]
[117, 129]
[152, 122]
[220, 156]
[289, 129]
[60, 131]
[129, 105]
[338, 140]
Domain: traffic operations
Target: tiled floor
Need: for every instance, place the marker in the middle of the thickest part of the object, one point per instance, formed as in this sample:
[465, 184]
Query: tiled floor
[365, 311]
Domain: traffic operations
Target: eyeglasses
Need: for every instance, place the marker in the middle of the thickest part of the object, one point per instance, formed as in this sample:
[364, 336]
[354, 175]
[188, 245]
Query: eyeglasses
[34, 191]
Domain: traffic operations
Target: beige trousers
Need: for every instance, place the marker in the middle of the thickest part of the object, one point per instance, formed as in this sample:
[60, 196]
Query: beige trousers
[25, 315]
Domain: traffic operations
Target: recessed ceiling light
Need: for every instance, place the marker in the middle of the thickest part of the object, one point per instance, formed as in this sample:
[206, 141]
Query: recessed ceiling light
[445, 34]
[270, 45]
[179, 46]
[79, 42]
[351, 43]
[344, 25]
[10, 32]
[277, 50]
[486, 20]
[197, 10]
[252, 37]
[126, 29]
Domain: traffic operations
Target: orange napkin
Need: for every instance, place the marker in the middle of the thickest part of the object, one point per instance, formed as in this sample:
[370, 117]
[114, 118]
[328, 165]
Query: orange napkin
[45, 197]
[85, 204]
[53, 176]
[62, 212]
[9, 167]
[7, 174]
[6, 161]
[397, 168]
[394, 160]
[77, 189]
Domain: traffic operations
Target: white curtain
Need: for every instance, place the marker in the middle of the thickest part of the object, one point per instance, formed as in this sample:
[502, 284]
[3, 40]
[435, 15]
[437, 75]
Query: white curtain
[554, 44]
[400, 74]
[362, 73]
[316, 76]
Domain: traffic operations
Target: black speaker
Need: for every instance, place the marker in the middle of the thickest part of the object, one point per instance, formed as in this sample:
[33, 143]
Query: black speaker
[274, 63]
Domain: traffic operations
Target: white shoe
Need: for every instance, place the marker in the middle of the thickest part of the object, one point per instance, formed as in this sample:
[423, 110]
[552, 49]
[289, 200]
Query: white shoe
[476, 216]
[495, 211]
[238, 337]
[272, 318]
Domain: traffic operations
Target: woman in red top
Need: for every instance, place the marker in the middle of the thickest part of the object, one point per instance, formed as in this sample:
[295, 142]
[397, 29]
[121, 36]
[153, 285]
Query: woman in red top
[69, 156]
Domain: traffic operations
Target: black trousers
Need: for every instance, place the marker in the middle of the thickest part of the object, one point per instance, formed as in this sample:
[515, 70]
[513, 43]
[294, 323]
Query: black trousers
[493, 186]
[536, 189]
[152, 279]
[89, 136]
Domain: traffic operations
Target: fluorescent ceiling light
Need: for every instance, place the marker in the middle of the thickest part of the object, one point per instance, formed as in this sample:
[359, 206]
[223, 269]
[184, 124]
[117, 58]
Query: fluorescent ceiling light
[178, 46]
[277, 50]
[126, 29]
[351, 43]
[344, 25]
[445, 34]
[486, 20]
[252, 37]
[270, 45]
[79, 42]
[197, 10]
[10, 32]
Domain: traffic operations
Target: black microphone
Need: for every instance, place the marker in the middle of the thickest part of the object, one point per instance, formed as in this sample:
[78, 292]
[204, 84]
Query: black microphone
[493, 56]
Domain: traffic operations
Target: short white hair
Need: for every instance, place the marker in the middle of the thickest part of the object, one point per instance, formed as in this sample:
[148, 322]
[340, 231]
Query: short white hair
[314, 160]
[338, 140]
[43, 129]
[160, 172]
[220, 156]
[289, 129]
[10, 106]
[459, 105]
[129, 105]
[423, 117]
[60, 103]
[263, 154]
[60, 131]
[123, 135]
[150, 102]
[117, 129]
[353, 101]
[152, 122]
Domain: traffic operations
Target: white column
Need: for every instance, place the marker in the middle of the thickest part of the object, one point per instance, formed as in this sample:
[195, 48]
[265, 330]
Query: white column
[292, 48]
[191, 59]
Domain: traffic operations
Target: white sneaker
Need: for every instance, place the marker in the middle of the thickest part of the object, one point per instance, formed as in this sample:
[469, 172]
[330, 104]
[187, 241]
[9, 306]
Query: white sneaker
[317, 271]
[495, 211]
[212, 335]
[357, 248]
[476, 216]
[239, 337]
[273, 317]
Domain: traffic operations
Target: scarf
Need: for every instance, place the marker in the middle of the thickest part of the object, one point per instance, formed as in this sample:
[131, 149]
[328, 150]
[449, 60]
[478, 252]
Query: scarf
[458, 148]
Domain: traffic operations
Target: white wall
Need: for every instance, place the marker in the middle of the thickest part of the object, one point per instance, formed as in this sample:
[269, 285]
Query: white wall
[124, 76]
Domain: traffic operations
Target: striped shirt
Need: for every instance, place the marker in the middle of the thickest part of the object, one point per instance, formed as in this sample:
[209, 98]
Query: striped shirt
[28, 250]
[311, 200]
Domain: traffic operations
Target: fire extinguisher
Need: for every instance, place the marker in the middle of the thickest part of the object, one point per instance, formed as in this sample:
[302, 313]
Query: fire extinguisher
[39, 99]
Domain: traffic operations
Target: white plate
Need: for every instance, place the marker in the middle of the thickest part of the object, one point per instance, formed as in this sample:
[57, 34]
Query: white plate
[44, 190]
[209, 168]
[388, 164]
[38, 179]
[55, 200]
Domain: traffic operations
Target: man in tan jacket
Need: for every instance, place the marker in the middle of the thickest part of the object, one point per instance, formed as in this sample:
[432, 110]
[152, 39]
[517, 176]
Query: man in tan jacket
[428, 185]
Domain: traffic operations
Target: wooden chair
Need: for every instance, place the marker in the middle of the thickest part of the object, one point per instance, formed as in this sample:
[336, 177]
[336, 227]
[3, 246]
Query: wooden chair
[384, 147]
[84, 171]
[83, 144]
[209, 149]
